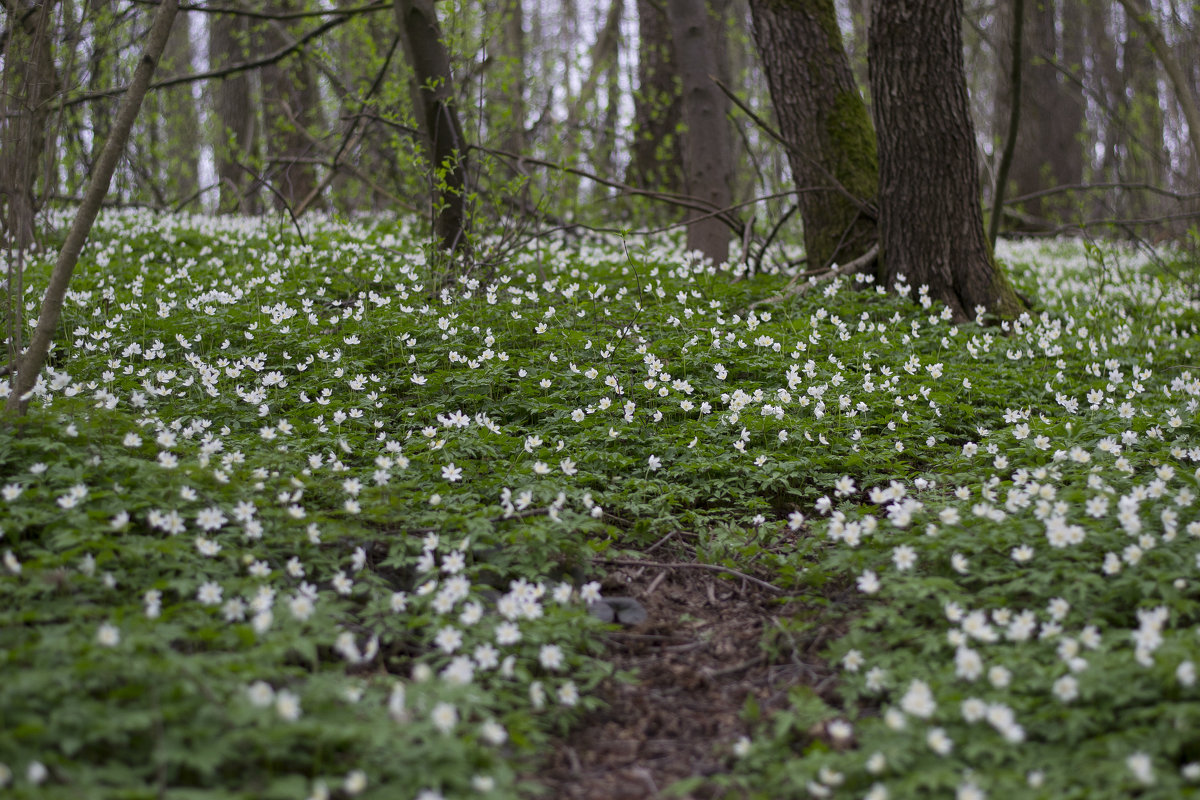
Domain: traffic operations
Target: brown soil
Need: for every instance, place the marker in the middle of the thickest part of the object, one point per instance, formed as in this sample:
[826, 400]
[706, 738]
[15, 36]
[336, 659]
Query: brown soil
[698, 657]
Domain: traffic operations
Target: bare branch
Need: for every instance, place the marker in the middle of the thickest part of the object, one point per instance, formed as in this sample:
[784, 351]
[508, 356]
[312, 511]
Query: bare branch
[232, 69]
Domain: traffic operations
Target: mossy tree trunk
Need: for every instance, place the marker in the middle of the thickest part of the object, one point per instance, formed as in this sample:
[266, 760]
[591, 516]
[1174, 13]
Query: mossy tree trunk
[830, 143]
[930, 219]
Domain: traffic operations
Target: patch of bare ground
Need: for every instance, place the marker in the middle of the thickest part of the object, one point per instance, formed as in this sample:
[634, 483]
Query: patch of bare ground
[698, 656]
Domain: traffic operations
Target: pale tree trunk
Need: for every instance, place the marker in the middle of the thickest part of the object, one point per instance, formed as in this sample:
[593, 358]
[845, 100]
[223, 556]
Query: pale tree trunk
[30, 365]
[930, 220]
[584, 106]
[291, 113]
[707, 146]
[442, 137]
[236, 127]
[830, 142]
[657, 158]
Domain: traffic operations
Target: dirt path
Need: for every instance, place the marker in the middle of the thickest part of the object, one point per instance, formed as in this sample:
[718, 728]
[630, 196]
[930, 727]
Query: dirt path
[699, 655]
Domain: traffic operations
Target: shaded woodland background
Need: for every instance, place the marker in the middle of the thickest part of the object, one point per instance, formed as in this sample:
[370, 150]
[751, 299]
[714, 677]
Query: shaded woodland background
[574, 111]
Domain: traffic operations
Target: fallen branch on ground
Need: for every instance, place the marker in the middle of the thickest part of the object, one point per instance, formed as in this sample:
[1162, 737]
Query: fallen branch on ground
[634, 562]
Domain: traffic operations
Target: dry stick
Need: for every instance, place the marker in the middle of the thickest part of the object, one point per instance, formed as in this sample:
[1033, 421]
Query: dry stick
[864, 206]
[633, 562]
[849, 268]
[351, 128]
[232, 69]
[1088, 187]
[31, 364]
[236, 11]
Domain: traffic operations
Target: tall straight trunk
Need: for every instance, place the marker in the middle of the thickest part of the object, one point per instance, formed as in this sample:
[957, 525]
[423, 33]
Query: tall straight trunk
[31, 82]
[506, 101]
[1048, 151]
[930, 220]
[291, 112]
[178, 119]
[707, 145]
[442, 138]
[236, 128]
[30, 365]
[830, 142]
[657, 158]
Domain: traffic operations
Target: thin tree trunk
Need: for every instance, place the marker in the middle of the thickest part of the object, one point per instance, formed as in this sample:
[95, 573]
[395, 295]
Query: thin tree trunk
[1014, 121]
[830, 142]
[707, 149]
[930, 220]
[1185, 91]
[31, 363]
[434, 107]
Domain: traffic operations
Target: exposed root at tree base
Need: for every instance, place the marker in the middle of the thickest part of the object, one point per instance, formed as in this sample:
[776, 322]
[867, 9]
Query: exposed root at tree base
[698, 657]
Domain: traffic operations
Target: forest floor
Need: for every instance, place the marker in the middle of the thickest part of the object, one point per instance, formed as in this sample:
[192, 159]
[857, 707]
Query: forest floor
[698, 659]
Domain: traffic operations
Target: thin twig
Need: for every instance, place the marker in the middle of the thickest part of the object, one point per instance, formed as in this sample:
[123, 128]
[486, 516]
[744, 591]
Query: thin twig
[629, 562]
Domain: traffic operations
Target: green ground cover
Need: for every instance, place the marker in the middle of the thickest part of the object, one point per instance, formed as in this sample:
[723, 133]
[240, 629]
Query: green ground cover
[307, 519]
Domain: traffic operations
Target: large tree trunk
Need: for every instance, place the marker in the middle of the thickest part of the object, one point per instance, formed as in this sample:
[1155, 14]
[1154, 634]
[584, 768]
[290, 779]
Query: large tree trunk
[31, 81]
[437, 117]
[291, 113]
[235, 129]
[830, 143]
[707, 145]
[930, 220]
[29, 366]
[657, 159]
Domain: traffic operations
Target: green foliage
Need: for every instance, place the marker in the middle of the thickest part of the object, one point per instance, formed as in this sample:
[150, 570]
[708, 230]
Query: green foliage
[280, 509]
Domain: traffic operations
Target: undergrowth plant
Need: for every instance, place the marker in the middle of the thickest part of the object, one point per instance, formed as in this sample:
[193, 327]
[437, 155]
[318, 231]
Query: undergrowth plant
[296, 518]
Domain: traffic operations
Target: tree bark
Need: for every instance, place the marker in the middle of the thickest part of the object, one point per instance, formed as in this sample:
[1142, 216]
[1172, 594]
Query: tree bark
[930, 220]
[657, 159]
[442, 136]
[31, 363]
[707, 145]
[31, 82]
[830, 142]
[1048, 151]
[236, 129]
[291, 112]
